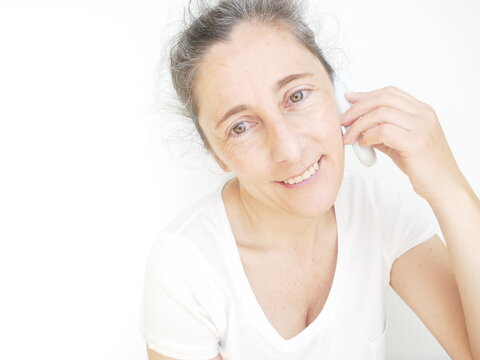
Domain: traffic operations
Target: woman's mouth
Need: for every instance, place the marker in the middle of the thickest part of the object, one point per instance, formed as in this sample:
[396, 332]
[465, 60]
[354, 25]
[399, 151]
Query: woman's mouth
[307, 177]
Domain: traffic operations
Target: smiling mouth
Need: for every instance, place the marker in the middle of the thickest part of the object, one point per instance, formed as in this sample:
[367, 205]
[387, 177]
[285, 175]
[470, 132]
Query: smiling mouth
[305, 175]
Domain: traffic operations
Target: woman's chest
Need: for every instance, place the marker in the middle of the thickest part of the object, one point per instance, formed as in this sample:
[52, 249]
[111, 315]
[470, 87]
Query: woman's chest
[291, 291]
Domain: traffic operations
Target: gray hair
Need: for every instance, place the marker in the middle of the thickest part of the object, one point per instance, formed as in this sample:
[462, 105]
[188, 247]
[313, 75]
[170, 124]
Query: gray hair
[214, 24]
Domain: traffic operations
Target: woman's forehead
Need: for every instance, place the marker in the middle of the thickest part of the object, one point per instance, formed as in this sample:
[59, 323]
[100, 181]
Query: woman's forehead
[254, 48]
[254, 55]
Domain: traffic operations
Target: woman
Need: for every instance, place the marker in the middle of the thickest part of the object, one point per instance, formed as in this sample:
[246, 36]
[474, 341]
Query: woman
[292, 257]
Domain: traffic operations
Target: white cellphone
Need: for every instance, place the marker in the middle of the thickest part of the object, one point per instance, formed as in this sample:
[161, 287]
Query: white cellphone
[366, 154]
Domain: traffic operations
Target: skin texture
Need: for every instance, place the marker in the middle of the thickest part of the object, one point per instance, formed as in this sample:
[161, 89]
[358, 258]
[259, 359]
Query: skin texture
[423, 277]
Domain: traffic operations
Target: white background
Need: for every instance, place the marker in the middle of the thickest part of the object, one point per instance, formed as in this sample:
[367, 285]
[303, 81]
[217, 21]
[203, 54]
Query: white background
[88, 177]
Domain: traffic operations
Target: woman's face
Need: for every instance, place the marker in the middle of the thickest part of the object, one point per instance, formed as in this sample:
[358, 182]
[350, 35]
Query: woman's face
[266, 106]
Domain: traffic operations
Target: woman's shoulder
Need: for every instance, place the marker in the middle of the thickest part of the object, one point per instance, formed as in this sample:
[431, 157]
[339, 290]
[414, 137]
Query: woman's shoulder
[365, 194]
[192, 236]
[194, 214]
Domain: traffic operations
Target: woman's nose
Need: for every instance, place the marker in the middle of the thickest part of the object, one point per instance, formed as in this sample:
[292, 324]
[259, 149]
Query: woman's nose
[285, 143]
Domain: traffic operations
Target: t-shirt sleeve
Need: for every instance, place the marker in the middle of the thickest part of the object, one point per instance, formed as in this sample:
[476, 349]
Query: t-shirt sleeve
[173, 321]
[407, 218]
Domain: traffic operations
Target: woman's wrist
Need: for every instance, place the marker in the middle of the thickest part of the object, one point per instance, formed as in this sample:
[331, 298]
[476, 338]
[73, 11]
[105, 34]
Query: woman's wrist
[453, 195]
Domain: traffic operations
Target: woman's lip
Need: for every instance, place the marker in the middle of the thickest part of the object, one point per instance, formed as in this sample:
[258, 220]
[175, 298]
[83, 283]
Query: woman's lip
[293, 177]
[304, 182]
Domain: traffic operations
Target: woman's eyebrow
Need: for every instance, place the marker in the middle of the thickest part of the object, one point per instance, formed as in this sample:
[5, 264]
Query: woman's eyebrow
[278, 85]
[231, 112]
[287, 79]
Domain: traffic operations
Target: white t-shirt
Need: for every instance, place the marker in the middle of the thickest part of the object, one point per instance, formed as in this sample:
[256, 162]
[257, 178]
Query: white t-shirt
[198, 301]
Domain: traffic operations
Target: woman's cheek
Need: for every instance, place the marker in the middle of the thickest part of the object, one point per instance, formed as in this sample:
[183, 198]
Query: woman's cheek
[239, 150]
[244, 161]
[327, 119]
[321, 123]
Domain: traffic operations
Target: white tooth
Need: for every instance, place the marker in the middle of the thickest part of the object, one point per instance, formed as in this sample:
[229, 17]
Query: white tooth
[298, 179]
[306, 175]
[309, 172]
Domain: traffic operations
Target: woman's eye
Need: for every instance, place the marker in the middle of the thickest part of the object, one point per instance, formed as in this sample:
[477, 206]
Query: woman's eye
[298, 96]
[239, 128]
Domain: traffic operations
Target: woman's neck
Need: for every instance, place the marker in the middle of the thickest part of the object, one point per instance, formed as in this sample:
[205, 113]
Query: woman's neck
[258, 226]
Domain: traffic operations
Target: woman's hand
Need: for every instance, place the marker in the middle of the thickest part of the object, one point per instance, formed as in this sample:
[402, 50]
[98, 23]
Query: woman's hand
[409, 132]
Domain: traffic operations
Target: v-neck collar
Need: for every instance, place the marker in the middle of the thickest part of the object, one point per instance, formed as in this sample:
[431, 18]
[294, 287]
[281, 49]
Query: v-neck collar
[241, 282]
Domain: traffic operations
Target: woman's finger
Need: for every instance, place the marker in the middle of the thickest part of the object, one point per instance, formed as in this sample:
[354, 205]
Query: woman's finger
[374, 99]
[394, 137]
[379, 116]
[397, 91]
